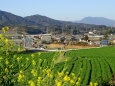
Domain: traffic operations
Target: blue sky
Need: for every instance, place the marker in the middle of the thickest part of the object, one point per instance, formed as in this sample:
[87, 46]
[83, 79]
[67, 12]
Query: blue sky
[61, 9]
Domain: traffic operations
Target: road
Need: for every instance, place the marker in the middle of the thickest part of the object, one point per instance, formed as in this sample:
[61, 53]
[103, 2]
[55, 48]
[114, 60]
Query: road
[54, 50]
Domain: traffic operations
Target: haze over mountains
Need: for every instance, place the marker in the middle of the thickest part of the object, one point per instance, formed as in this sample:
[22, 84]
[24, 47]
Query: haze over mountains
[97, 21]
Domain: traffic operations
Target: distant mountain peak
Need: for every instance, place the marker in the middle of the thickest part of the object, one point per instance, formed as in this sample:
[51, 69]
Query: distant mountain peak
[98, 21]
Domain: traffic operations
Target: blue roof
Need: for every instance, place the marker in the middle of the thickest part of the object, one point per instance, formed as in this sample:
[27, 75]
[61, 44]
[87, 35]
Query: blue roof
[104, 42]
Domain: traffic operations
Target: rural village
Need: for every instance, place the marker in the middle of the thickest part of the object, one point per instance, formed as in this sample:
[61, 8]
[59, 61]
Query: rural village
[59, 42]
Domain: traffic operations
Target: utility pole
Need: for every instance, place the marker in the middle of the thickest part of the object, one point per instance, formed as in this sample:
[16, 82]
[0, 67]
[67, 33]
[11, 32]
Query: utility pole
[71, 31]
[47, 30]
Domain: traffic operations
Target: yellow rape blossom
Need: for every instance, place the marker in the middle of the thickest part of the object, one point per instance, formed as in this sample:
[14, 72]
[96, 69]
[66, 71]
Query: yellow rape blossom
[44, 70]
[1, 58]
[4, 77]
[91, 84]
[77, 83]
[19, 58]
[72, 74]
[7, 62]
[6, 40]
[14, 56]
[58, 83]
[32, 55]
[34, 72]
[71, 81]
[95, 84]
[48, 71]
[22, 65]
[66, 60]
[39, 53]
[67, 72]
[79, 78]
[33, 62]
[21, 71]
[3, 29]
[19, 49]
[20, 76]
[31, 83]
[50, 75]
[0, 35]
[39, 79]
[11, 66]
[60, 74]
[6, 70]
[27, 59]
[66, 78]
[7, 28]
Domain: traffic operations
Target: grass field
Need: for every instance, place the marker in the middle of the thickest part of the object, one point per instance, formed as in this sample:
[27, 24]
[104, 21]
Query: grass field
[98, 64]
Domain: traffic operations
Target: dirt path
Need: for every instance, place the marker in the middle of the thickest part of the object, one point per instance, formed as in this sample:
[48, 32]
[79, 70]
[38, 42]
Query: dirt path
[62, 46]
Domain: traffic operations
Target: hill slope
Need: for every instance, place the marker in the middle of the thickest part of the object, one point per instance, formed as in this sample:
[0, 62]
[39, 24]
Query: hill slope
[43, 20]
[10, 19]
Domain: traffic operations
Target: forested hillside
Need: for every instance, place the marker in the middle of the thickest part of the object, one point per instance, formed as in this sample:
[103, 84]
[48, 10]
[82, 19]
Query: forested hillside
[41, 24]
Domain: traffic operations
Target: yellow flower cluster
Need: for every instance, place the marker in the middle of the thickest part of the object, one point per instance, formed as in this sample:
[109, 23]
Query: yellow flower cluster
[34, 72]
[27, 59]
[60, 74]
[20, 77]
[66, 78]
[6, 41]
[7, 62]
[0, 35]
[32, 55]
[19, 49]
[31, 83]
[77, 83]
[93, 84]
[39, 53]
[4, 29]
[33, 62]
[1, 58]
[6, 70]
[59, 83]
[19, 59]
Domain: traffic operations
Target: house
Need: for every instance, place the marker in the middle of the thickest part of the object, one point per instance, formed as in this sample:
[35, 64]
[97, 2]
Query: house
[111, 40]
[104, 42]
[79, 38]
[94, 39]
[46, 38]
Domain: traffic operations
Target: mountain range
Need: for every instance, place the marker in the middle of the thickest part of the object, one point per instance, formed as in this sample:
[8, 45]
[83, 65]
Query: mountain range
[97, 21]
[41, 24]
[10, 19]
